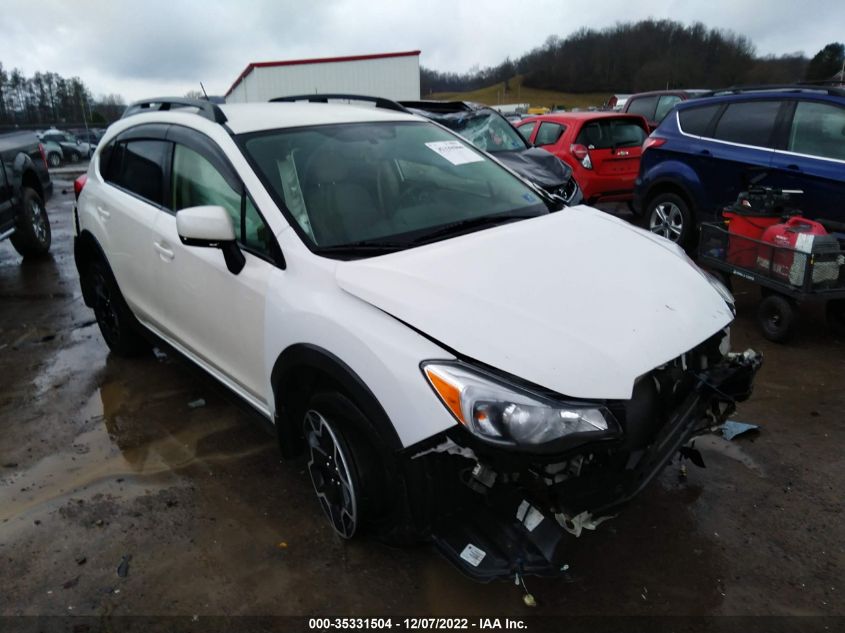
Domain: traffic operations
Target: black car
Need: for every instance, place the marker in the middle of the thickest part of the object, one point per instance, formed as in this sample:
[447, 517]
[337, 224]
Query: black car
[488, 130]
[24, 186]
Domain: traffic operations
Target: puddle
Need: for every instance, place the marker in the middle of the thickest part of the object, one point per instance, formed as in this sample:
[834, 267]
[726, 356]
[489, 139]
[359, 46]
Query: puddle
[123, 441]
[78, 352]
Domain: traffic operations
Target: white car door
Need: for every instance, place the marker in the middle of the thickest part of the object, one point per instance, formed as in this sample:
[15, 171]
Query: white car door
[217, 315]
[126, 206]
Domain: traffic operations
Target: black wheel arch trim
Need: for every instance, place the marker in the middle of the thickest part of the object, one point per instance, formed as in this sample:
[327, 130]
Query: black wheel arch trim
[312, 357]
[667, 183]
[86, 248]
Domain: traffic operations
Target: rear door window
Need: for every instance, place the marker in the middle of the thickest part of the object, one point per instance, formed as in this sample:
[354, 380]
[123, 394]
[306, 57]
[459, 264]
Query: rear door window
[818, 129]
[748, 123]
[138, 167]
[549, 133]
[696, 121]
[644, 106]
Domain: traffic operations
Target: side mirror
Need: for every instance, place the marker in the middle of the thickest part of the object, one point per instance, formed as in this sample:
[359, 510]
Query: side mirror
[211, 227]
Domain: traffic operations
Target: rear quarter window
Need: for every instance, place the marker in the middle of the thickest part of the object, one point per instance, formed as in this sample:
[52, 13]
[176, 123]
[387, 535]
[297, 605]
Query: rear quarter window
[696, 121]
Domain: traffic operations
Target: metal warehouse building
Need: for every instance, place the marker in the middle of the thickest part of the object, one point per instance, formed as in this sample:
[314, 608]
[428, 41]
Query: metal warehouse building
[391, 75]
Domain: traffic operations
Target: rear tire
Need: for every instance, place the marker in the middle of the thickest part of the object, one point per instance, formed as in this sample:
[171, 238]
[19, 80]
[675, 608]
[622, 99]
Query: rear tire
[75, 156]
[668, 215]
[776, 318]
[118, 325]
[54, 160]
[32, 234]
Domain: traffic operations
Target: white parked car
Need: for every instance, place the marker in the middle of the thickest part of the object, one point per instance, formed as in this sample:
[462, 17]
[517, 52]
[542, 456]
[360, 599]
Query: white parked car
[458, 357]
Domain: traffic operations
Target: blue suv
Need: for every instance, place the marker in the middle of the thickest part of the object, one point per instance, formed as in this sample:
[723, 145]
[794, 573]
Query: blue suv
[709, 149]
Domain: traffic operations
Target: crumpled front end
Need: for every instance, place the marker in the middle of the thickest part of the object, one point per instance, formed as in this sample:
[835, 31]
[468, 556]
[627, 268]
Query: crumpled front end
[512, 513]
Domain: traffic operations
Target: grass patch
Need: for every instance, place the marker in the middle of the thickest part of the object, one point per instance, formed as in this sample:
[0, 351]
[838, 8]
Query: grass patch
[495, 94]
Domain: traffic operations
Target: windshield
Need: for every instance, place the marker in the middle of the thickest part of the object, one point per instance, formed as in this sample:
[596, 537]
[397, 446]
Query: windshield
[485, 129]
[395, 183]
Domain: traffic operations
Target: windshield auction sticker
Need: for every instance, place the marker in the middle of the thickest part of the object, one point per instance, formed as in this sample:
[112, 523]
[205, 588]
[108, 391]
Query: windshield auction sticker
[455, 152]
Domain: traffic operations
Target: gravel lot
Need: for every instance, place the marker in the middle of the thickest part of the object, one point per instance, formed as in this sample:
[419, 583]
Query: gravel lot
[103, 459]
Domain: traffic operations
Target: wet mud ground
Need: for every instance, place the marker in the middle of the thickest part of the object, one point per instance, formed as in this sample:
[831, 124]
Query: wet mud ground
[103, 461]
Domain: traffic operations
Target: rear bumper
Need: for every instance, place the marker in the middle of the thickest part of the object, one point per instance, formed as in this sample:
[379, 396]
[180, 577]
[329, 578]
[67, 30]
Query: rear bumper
[523, 527]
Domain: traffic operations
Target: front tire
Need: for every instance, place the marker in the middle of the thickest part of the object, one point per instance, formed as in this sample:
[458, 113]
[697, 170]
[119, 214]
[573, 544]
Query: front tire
[32, 236]
[75, 156]
[344, 467]
[54, 160]
[669, 215]
[116, 321]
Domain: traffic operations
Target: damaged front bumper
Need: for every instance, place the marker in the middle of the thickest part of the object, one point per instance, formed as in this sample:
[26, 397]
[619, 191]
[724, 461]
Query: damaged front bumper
[516, 512]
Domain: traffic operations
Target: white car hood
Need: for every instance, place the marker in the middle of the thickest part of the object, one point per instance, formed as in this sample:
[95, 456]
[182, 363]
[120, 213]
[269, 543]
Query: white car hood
[576, 301]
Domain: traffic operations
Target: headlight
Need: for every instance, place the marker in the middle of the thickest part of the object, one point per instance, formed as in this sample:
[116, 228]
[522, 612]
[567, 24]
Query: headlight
[721, 289]
[506, 414]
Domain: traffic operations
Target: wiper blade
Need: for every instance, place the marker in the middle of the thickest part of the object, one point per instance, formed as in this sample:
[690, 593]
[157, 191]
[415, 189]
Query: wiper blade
[470, 223]
[362, 246]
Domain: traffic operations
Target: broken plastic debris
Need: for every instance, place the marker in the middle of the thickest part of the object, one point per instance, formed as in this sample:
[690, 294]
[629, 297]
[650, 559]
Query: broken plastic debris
[732, 429]
[123, 567]
[159, 354]
[196, 404]
[583, 521]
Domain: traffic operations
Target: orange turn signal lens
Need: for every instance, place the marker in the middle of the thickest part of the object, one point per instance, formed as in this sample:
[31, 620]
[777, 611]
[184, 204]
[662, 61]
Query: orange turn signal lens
[449, 392]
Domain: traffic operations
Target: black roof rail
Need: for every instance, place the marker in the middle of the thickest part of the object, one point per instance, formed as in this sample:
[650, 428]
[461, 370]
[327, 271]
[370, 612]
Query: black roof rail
[380, 102]
[796, 87]
[207, 108]
[444, 107]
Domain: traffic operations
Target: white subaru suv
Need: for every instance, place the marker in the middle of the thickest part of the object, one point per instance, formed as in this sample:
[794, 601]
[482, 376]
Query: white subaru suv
[459, 356]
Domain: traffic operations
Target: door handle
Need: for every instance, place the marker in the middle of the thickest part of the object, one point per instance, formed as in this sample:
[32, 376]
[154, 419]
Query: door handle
[705, 152]
[165, 253]
[104, 213]
[793, 167]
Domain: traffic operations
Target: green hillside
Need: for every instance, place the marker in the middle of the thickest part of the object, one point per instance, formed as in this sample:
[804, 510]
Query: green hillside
[496, 94]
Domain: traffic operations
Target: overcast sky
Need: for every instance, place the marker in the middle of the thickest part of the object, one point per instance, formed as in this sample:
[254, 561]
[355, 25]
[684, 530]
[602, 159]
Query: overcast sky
[152, 47]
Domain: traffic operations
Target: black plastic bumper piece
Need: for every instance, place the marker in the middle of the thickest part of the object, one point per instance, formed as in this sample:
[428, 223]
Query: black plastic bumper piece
[496, 536]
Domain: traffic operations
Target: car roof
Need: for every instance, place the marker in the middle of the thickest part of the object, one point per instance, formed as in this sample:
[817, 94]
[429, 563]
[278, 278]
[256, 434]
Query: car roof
[243, 118]
[252, 117]
[809, 93]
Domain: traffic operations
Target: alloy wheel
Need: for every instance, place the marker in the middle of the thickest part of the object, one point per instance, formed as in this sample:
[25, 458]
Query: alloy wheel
[667, 220]
[38, 220]
[331, 475]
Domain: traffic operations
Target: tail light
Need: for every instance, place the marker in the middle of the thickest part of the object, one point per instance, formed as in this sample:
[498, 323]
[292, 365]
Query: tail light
[582, 154]
[78, 184]
[653, 141]
[43, 155]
